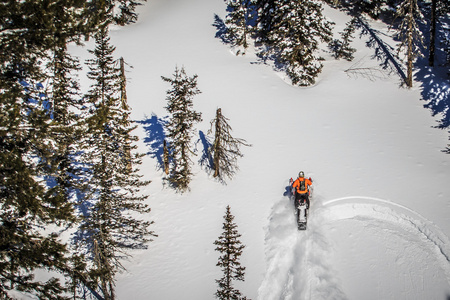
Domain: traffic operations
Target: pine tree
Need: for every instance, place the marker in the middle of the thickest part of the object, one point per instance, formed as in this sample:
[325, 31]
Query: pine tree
[297, 28]
[63, 99]
[225, 149]
[410, 35]
[180, 126]
[110, 228]
[241, 13]
[231, 249]
[265, 19]
[341, 48]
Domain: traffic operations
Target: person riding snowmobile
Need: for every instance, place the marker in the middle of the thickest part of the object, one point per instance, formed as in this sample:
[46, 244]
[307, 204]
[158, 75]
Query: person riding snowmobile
[301, 188]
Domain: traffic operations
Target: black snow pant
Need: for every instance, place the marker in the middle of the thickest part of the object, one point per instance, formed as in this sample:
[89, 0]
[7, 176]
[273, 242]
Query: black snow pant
[301, 198]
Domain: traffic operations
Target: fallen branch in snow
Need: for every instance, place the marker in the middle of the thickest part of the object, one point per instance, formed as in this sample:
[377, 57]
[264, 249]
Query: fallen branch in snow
[371, 73]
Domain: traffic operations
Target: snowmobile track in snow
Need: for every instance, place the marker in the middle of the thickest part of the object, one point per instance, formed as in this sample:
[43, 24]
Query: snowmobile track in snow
[404, 217]
[297, 263]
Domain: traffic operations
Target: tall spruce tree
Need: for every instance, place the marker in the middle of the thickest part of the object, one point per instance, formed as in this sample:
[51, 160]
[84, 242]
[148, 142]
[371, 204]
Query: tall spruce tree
[294, 38]
[410, 35]
[180, 126]
[240, 14]
[231, 250]
[110, 227]
[63, 99]
[225, 149]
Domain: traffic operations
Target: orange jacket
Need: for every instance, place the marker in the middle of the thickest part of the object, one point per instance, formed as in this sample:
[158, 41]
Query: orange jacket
[296, 185]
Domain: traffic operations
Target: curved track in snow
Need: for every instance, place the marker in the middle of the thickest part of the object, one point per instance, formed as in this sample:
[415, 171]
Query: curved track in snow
[302, 265]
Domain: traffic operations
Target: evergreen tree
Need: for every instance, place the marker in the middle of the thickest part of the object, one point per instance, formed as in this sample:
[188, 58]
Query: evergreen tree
[374, 8]
[410, 35]
[265, 19]
[231, 249]
[297, 28]
[110, 228]
[438, 9]
[180, 126]
[341, 48]
[225, 149]
[63, 99]
[240, 14]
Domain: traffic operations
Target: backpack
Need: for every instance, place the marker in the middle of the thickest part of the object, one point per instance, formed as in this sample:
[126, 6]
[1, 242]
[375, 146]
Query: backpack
[302, 185]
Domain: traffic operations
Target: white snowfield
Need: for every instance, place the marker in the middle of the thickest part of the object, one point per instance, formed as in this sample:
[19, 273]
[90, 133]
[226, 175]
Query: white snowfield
[379, 222]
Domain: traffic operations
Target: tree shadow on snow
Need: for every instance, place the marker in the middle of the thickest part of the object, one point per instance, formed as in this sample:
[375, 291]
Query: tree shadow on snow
[154, 139]
[206, 161]
[435, 80]
[221, 30]
[383, 52]
[435, 84]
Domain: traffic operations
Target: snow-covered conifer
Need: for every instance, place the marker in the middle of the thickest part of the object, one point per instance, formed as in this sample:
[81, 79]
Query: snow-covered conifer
[298, 26]
[180, 126]
[240, 13]
[265, 19]
[225, 149]
[231, 250]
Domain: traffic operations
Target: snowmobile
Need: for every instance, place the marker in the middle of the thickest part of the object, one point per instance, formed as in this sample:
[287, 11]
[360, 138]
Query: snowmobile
[302, 215]
[301, 209]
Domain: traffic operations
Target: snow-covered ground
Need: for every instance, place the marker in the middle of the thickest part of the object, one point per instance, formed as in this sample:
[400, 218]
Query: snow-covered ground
[379, 221]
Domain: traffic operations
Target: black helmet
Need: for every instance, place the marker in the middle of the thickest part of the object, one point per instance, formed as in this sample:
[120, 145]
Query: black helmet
[301, 174]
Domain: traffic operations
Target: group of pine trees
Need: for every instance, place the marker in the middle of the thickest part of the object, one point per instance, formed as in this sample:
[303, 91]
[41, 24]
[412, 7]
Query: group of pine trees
[180, 130]
[290, 31]
[67, 160]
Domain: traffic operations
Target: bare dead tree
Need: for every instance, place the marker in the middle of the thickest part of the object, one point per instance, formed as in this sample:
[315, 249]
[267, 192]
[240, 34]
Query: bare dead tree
[225, 149]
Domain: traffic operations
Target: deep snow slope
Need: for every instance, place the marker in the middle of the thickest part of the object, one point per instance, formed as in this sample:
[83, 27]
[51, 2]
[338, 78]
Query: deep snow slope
[379, 219]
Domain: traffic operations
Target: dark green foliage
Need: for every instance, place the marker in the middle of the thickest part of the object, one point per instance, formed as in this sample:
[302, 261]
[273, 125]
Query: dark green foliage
[376, 9]
[112, 197]
[341, 48]
[231, 249]
[295, 28]
[180, 127]
[265, 20]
